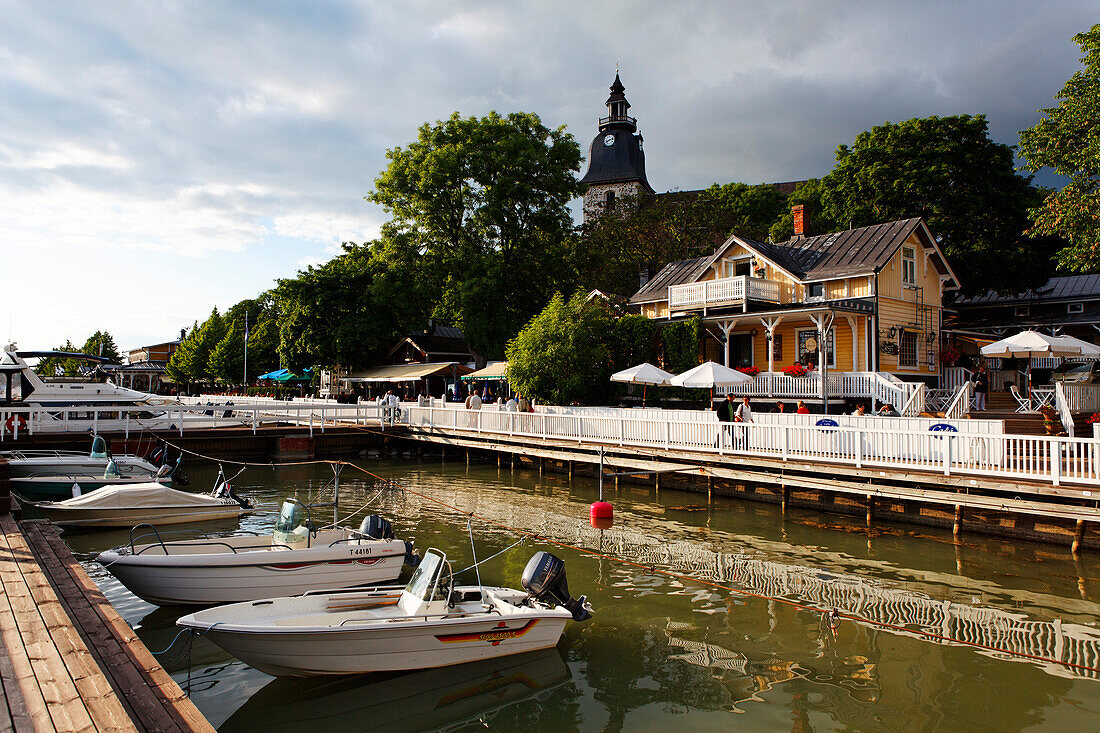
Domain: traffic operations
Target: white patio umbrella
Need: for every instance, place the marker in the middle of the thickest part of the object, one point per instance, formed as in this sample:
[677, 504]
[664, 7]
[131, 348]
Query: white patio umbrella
[1029, 344]
[710, 374]
[1089, 351]
[644, 374]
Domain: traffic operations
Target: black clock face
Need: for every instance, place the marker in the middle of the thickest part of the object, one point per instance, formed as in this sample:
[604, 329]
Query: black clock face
[609, 140]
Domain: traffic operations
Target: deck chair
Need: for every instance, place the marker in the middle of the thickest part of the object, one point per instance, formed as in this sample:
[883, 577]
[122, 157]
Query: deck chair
[1023, 404]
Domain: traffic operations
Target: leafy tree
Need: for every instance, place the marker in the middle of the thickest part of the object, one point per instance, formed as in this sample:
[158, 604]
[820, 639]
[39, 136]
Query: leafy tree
[227, 358]
[1068, 141]
[101, 343]
[817, 220]
[561, 356]
[484, 201]
[191, 362]
[680, 344]
[948, 171]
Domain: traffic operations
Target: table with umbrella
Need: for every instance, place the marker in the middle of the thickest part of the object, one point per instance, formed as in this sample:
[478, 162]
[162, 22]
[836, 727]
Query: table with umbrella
[1030, 344]
[644, 374]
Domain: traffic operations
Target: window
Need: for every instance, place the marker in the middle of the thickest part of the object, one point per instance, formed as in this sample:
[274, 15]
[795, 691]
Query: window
[908, 266]
[907, 349]
[777, 347]
[609, 201]
[817, 291]
[1075, 307]
[1022, 310]
[808, 346]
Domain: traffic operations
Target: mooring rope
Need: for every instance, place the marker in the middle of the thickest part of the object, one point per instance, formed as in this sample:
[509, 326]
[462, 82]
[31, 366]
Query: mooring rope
[831, 616]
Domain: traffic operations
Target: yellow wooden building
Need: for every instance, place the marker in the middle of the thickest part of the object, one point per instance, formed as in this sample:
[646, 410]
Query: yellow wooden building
[873, 295]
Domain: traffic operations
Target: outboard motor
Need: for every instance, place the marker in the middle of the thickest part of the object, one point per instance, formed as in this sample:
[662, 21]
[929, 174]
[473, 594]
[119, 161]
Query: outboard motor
[544, 578]
[376, 527]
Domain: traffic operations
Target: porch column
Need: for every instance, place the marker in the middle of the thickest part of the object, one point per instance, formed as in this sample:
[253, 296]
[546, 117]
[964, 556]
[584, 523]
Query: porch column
[770, 324]
[727, 327]
[855, 341]
[823, 322]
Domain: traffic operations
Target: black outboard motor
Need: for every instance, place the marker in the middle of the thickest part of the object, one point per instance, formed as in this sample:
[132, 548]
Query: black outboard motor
[376, 528]
[544, 578]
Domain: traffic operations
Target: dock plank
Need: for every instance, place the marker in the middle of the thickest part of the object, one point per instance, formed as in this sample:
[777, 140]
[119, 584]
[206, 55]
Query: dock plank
[132, 666]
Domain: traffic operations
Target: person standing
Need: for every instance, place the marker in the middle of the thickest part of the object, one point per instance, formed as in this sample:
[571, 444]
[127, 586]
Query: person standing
[726, 410]
[981, 388]
[744, 411]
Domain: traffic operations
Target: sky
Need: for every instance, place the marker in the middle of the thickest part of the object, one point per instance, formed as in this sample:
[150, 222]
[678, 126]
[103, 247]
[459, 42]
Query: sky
[161, 158]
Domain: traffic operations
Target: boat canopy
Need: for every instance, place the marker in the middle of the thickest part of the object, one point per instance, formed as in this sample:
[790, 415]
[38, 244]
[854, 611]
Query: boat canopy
[137, 496]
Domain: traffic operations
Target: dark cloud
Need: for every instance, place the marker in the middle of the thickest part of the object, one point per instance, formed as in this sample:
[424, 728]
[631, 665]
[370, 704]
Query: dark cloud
[220, 130]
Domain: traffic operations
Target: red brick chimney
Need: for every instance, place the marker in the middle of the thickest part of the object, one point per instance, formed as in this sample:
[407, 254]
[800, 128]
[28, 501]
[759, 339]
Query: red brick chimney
[799, 213]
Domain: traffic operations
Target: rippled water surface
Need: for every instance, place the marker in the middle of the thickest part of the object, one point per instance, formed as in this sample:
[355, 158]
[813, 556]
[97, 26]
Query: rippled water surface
[664, 653]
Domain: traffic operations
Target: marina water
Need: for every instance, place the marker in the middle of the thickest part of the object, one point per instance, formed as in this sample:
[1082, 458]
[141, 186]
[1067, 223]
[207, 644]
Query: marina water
[664, 653]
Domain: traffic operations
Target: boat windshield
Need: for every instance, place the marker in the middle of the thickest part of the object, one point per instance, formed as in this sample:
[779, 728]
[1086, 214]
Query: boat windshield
[422, 578]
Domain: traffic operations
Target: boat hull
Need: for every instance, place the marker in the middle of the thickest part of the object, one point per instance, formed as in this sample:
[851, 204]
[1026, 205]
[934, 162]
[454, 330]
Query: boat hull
[247, 576]
[55, 487]
[404, 646]
[114, 518]
[68, 465]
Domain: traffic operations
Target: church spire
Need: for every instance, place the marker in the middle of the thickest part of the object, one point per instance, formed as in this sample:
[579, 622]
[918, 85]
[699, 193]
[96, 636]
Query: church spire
[617, 105]
[616, 163]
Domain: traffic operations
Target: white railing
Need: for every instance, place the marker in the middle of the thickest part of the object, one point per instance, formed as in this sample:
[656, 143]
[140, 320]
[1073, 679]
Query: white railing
[1081, 397]
[960, 405]
[914, 403]
[178, 418]
[941, 450]
[953, 377]
[855, 385]
[1061, 404]
[723, 290]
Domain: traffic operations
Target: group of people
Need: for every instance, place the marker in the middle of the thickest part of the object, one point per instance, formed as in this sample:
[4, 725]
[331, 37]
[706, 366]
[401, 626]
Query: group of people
[887, 410]
[732, 411]
[515, 403]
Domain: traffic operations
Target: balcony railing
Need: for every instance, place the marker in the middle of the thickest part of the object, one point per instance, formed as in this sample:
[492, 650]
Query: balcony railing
[618, 118]
[724, 291]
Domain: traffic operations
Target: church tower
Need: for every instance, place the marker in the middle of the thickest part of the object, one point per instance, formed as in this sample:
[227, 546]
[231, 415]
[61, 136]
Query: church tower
[616, 163]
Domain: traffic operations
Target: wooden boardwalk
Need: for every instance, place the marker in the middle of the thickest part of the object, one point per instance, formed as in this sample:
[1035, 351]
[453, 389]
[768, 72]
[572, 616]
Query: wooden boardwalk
[68, 661]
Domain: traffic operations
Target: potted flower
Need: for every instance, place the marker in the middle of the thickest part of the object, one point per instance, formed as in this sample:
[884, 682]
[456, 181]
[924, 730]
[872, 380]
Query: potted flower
[795, 370]
[1050, 419]
[749, 370]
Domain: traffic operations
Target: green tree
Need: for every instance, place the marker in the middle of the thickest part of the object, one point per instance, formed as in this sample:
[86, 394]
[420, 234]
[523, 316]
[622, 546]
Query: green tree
[561, 356]
[816, 221]
[58, 366]
[227, 358]
[484, 201]
[947, 171]
[101, 343]
[191, 362]
[1068, 141]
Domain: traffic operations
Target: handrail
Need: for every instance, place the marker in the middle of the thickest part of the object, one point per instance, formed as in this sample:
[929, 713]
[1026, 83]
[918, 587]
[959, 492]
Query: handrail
[1062, 405]
[915, 404]
[960, 405]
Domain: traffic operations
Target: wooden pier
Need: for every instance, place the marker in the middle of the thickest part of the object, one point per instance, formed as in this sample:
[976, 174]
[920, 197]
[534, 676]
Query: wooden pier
[68, 661]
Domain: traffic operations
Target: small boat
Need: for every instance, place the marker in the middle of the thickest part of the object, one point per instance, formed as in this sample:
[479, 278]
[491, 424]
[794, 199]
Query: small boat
[77, 485]
[428, 623]
[293, 559]
[124, 505]
[65, 463]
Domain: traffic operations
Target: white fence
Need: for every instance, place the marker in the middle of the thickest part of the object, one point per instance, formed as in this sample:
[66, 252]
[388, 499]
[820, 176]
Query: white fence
[854, 385]
[940, 448]
[723, 290]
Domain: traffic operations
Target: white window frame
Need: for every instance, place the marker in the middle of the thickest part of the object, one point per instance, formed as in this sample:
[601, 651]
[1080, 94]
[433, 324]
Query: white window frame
[908, 265]
[1075, 307]
[915, 365]
[1021, 310]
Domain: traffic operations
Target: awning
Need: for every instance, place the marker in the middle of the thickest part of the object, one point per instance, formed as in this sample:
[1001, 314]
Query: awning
[407, 372]
[493, 372]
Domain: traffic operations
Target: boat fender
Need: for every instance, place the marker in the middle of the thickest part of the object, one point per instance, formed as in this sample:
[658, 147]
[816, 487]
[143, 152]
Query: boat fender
[376, 527]
[544, 578]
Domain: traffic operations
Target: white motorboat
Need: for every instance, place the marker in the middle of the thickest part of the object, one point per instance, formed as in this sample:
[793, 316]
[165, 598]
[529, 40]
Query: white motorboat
[77, 485]
[62, 463]
[293, 559]
[124, 505]
[428, 623]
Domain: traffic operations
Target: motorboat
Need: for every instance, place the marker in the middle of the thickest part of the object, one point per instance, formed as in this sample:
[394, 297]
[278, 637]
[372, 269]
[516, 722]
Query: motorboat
[293, 559]
[75, 485]
[448, 698]
[89, 402]
[64, 463]
[124, 505]
[428, 623]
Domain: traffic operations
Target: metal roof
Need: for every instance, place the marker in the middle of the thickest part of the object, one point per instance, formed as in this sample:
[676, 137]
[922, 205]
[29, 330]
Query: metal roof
[1067, 287]
[674, 273]
[407, 372]
[840, 254]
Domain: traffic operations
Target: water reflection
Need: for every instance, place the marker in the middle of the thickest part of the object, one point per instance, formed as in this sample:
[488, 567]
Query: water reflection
[430, 700]
[662, 652]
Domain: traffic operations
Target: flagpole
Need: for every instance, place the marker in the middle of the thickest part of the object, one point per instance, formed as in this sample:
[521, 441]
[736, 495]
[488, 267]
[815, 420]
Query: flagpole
[246, 349]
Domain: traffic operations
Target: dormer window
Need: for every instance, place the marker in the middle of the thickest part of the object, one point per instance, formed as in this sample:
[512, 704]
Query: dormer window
[817, 291]
[1075, 307]
[908, 266]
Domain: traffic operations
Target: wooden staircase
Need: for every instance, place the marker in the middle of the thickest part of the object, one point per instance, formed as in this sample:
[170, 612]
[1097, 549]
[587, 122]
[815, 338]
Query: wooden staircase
[1001, 406]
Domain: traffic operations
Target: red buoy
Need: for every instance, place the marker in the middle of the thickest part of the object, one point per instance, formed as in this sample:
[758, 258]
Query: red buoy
[601, 515]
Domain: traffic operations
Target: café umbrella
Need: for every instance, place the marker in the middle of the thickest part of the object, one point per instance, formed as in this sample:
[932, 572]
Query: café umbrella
[644, 374]
[710, 375]
[1030, 344]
